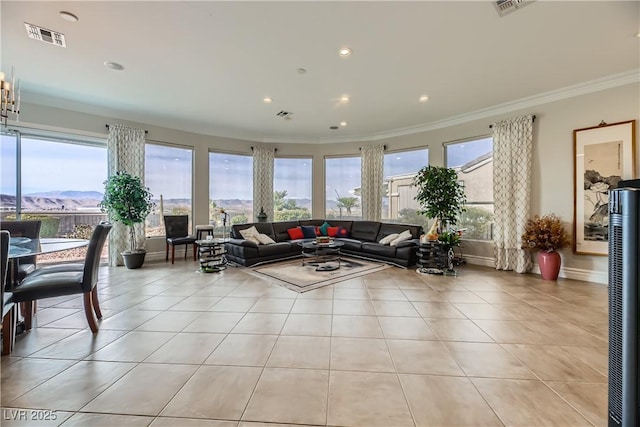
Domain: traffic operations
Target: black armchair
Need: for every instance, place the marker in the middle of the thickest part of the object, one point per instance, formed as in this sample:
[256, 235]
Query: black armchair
[25, 265]
[176, 229]
[8, 306]
[59, 283]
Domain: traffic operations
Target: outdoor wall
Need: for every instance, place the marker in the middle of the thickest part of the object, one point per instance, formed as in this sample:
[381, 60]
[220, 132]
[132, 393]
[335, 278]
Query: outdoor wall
[552, 176]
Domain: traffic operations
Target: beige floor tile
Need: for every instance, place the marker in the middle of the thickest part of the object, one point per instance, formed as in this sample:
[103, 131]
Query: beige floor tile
[52, 314]
[80, 345]
[103, 420]
[484, 311]
[356, 326]
[510, 332]
[387, 295]
[360, 354]
[159, 302]
[128, 319]
[301, 352]
[133, 347]
[235, 305]
[158, 383]
[218, 392]
[190, 422]
[123, 302]
[273, 305]
[254, 424]
[313, 306]
[77, 320]
[22, 375]
[369, 399]
[24, 417]
[394, 308]
[461, 296]
[527, 403]
[216, 290]
[199, 345]
[422, 295]
[441, 310]
[458, 330]
[215, 322]
[423, 357]
[308, 324]
[36, 339]
[320, 293]
[260, 323]
[169, 321]
[497, 297]
[487, 360]
[446, 401]
[290, 396]
[350, 293]
[81, 383]
[353, 307]
[553, 363]
[196, 303]
[596, 358]
[410, 328]
[564, 333]
[243, 350]
[591, 400]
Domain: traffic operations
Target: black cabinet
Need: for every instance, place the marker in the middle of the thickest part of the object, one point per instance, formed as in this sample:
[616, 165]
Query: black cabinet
[437, 256]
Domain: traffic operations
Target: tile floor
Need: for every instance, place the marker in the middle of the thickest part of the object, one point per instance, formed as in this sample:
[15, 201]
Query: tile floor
[394, 348]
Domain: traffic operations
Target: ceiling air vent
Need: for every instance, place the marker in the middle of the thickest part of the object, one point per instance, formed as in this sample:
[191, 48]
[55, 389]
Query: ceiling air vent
[44, 35]
[285, 114]
[505, 7]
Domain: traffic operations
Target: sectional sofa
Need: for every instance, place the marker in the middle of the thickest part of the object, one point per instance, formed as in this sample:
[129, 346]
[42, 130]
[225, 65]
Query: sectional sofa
[361, 239]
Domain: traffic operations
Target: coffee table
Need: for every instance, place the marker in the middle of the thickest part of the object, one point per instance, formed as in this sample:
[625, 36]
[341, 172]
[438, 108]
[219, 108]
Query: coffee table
[325, 256]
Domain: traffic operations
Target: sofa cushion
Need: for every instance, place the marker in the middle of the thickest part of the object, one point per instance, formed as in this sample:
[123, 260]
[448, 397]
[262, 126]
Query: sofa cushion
[351, 244]
[282, 248]
[367, 231]
[388, 239]
[295, 233]
[342, 232]
[264, 239]
[378, 249]
[324, 228]
[308, 231]
[262, 227]
[386, 229]
[280, 233]
[333, 231]
[404, 236]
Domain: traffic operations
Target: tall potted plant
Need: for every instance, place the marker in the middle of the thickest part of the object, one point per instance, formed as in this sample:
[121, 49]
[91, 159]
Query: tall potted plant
[440, 195]
[128, 201]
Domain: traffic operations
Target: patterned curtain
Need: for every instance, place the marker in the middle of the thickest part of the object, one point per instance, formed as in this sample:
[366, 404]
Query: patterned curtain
[125, 147]
[371, 184]
[512, 144]
[263, 181]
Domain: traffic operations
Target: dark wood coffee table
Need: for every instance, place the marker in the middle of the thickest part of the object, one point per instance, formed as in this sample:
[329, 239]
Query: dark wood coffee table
[325, 256]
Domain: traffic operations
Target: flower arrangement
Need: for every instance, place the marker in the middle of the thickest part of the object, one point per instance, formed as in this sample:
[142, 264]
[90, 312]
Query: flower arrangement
[545, 233]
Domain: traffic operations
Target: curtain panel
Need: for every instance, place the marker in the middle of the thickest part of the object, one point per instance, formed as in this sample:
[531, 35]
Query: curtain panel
[372, 181]
[125, 150]
[263, 181]
[512, 146]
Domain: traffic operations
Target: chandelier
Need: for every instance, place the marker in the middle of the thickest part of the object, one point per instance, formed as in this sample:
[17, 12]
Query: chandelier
[9, 98]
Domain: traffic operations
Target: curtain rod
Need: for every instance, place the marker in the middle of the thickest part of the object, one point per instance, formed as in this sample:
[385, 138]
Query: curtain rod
[534, 119]
[384, 147]
[275, 149]
[145, 131]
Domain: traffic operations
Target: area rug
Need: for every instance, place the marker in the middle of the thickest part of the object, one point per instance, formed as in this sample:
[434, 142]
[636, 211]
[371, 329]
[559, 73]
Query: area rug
[293, 275]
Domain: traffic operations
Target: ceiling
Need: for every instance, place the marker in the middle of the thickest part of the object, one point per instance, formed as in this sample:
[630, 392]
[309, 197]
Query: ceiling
[206, 67]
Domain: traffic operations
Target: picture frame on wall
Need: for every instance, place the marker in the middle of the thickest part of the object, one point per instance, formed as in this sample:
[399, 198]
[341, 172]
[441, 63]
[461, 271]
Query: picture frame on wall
[603, 156]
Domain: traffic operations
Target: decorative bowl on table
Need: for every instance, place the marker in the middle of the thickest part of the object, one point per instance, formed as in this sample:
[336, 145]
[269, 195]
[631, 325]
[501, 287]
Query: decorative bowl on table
[323, 240]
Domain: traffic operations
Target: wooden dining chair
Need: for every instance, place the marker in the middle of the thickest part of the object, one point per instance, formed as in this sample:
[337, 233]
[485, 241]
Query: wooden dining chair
[176, 229]
[57, 283]
[8, 306]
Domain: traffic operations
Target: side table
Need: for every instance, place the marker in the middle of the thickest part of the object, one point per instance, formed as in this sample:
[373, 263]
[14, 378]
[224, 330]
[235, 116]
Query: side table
[435, 257]
[212, 255]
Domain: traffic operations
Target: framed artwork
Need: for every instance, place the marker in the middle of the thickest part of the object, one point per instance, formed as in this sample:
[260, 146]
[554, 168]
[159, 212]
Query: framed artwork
[603, 155]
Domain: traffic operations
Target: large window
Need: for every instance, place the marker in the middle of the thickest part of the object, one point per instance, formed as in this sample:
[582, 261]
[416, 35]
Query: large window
[342, 184]
[168, 172]
[230, 188]
[292, 189]
[58, 180]
[398, 200]
[473, 161]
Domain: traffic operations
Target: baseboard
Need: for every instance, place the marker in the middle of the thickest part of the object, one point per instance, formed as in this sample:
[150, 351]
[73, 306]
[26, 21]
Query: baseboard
[479, 260]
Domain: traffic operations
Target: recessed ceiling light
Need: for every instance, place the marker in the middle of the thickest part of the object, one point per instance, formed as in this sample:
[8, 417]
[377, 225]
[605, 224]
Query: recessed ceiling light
[344, 98]
[68, 16]
[113, 65]
[267, 100]
[343, 123]
[344, 52]
[638, 34]
[424, 98]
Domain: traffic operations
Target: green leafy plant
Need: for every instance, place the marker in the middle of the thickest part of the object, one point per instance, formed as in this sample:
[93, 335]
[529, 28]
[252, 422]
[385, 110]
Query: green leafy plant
[126, 200]
[440, 195]
[449, 237]
[545, 233]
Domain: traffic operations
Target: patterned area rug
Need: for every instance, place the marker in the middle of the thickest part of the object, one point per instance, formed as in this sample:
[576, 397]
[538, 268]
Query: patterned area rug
[293, 275]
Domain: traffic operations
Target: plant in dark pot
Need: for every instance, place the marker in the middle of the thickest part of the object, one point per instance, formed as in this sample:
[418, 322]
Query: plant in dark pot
[440, 195]
[128, 201]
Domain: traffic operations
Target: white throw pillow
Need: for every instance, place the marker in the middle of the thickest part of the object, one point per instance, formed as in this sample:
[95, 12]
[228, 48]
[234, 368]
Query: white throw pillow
[405, 235]
[388, 239]
[264, 239]
[251, 231]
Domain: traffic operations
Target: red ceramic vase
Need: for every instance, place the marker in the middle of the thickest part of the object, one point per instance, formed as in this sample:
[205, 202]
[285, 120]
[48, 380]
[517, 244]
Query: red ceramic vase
[549, 263]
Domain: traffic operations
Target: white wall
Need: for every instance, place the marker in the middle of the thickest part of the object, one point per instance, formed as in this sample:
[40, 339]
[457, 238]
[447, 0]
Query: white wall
[552, 177]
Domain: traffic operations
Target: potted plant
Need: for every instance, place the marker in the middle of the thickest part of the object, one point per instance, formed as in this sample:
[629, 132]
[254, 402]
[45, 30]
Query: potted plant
[546, 234]
[128, 201]
[440, 195]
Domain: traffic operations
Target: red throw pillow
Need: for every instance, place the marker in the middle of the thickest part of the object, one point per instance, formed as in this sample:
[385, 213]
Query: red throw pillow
[295, 233]
[332, 231]
[318, 232]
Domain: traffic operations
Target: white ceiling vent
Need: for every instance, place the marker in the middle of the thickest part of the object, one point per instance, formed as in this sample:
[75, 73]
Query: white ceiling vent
[285, 114]
[504, 7]
[44, 35]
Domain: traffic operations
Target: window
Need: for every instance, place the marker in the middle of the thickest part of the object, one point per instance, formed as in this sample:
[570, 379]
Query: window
[292, 189]
[168, 172]
[398, 200]
[230, 188]
[473, 161]
[342, 184]
[55, 179]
